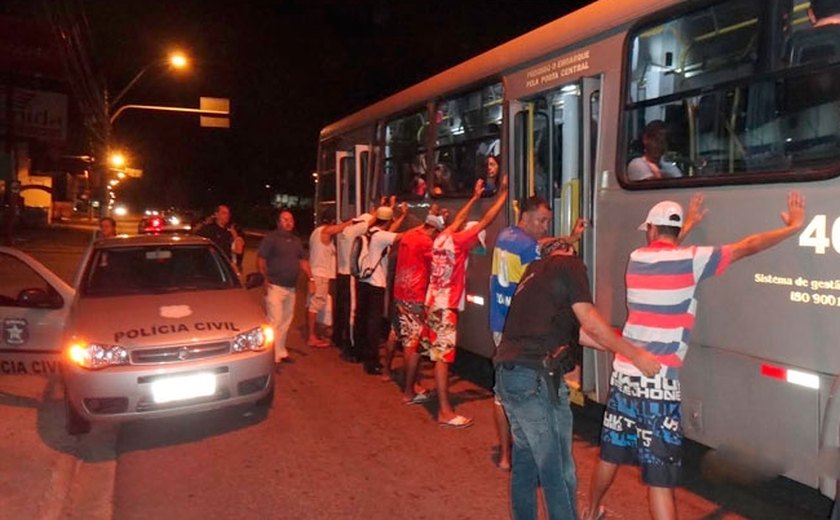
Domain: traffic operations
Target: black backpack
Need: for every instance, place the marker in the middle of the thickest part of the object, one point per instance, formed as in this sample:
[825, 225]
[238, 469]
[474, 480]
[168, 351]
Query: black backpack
[360, 264]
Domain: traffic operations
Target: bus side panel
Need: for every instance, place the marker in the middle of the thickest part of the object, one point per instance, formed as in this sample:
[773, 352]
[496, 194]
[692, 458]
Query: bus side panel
[474, 325]
[762, 426]
[746, 319]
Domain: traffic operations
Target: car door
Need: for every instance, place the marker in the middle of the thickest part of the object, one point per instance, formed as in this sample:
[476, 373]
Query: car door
[34, 304]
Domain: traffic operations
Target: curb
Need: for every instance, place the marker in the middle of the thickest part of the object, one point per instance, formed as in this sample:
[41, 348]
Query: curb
[90, 492]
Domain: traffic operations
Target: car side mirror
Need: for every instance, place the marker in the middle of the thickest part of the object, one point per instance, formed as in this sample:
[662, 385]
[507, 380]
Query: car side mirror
[254, 280]
[38, 298]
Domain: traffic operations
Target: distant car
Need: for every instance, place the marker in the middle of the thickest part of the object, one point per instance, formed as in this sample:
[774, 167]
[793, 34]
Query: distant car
[165, 222]
[158, 326]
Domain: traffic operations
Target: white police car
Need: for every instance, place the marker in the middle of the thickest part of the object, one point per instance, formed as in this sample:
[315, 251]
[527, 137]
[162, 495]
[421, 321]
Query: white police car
[158, 326]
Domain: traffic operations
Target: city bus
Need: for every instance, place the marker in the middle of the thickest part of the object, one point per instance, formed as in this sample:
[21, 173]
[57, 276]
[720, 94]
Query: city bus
[748, 93]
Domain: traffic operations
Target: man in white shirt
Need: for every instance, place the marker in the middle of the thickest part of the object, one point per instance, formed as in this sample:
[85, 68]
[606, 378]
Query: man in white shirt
[322, 261]
[370, 304]
[342, 337]
[651, 165]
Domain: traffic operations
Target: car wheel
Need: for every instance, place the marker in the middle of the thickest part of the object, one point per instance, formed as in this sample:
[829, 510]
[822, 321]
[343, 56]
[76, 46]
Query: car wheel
[74, 423]
[268, 400]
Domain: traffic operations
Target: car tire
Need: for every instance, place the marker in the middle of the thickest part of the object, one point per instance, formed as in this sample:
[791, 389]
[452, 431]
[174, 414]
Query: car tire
[267, 400]
[74, 423]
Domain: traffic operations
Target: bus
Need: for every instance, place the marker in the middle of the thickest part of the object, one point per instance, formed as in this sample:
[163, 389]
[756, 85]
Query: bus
[748, 93]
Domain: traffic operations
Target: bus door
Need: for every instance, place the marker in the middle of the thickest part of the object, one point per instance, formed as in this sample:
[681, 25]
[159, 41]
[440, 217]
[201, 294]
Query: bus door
[363, 185]
[345, 185]
[557, 134]
[352, 181]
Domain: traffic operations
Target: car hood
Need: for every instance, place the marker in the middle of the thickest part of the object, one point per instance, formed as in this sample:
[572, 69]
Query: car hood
[135, 321]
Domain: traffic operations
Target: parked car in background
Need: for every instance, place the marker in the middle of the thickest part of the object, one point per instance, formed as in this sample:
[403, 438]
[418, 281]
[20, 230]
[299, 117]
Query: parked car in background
[168, 221]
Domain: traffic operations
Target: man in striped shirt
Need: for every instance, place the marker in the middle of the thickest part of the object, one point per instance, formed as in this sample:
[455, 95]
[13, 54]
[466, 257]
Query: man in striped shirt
[642, 418]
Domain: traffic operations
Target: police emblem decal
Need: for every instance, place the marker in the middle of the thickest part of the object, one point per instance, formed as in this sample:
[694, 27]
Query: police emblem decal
[15, 331]
[175, 311]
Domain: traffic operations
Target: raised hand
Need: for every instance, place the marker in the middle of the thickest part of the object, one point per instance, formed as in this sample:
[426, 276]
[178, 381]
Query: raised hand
[795, 215]
[696, 211]
[479, 188]
[580, 227]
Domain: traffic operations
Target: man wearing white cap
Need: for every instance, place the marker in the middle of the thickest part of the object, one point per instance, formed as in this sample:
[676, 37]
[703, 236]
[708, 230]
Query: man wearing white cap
[370, 303]
[411, 280]
[642, 418]
[445, 295]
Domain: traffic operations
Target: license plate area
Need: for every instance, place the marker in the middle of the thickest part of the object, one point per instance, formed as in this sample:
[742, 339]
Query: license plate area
[182, 388]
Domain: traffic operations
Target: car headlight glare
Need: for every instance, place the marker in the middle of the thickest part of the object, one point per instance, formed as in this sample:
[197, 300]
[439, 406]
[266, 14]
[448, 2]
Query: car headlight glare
[95, 356]
[253, 340]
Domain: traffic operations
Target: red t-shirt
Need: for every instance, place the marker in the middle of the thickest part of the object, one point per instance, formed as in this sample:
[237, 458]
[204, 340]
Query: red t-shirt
[413, 262]
[449, 261]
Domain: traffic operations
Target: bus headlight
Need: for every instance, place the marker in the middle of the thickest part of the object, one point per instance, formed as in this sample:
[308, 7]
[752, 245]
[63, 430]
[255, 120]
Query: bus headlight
[95, 356]
[254, 340]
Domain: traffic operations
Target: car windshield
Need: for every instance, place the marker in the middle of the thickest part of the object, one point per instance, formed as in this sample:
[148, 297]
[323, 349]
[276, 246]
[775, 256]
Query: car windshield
[156, 269]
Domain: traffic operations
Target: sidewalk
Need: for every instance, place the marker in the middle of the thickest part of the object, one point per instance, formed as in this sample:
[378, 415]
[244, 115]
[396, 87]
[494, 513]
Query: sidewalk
[45, 473]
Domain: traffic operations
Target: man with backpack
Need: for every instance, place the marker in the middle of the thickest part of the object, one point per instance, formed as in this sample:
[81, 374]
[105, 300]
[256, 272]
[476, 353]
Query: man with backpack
[369, 259]
[342, 337]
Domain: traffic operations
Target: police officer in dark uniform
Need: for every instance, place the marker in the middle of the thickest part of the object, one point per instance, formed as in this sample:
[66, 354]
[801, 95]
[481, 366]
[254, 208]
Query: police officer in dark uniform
[551, 304]
[217, 229]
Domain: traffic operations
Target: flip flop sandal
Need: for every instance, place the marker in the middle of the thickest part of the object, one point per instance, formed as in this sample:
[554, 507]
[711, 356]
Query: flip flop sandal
[419, 398]
[459, 421]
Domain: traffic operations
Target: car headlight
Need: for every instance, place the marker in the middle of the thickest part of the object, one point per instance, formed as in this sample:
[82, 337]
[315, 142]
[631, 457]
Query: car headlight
[95, 356]
[256, 339]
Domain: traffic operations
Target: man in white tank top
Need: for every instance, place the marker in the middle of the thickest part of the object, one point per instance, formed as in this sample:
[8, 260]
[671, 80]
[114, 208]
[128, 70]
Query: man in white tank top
[322, 262]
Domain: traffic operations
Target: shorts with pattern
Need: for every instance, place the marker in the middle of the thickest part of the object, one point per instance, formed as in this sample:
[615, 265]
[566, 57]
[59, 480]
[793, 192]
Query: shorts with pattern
[318, 299]
[440, 334]
[642, 426]
[407, 319]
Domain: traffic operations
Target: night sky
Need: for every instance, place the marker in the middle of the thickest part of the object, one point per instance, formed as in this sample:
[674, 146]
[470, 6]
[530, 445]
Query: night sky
[289, 68]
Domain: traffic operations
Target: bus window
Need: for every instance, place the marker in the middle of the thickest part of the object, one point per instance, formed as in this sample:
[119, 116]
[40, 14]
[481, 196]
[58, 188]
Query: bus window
[405, 155]
[555, 170]
[325, 179]
[703, 103]
[467, 146]
[325, 188]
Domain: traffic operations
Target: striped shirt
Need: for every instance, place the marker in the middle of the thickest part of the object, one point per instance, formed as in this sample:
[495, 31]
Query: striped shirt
[661, 284]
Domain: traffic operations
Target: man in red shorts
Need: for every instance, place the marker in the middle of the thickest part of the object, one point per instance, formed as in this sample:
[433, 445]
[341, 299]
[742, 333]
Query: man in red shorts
[443, 299]
[410, 284]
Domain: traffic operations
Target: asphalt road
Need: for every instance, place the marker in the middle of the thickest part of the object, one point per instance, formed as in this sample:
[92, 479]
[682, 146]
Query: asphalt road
[339, 444]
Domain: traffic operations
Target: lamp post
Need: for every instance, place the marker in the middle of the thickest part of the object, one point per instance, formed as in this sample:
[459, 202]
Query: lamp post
[176, 60]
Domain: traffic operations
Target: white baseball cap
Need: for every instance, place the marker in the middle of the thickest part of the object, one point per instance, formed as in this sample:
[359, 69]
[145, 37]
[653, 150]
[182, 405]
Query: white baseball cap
[665, 213]
[436, 221]
[384, 213]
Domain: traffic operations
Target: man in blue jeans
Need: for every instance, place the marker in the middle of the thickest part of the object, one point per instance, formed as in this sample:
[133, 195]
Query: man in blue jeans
[551, 302]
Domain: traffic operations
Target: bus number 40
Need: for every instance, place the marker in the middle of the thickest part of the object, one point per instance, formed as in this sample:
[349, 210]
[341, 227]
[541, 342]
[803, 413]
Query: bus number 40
[814, 235]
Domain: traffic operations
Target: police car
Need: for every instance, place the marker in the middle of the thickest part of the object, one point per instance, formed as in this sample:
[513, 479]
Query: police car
[157, 326]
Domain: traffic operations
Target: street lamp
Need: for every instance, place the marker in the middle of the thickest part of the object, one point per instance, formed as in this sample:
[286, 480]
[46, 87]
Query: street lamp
[117, 160]
[176, 60]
